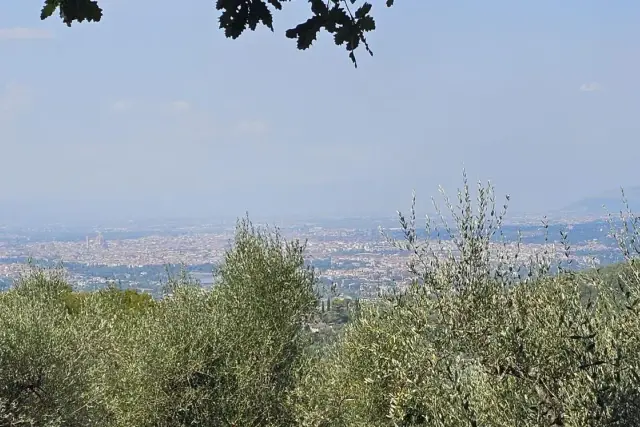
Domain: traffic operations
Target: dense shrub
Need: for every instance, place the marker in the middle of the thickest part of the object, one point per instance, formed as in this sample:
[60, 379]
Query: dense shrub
[196, 357]
[45, 357]
[483, 340]
[483, 337]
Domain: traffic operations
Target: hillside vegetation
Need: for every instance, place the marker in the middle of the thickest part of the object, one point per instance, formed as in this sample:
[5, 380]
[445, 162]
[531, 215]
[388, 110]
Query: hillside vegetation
[482, 338]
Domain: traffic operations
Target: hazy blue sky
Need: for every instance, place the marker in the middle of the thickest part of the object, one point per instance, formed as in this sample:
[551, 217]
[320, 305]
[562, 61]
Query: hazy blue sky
[153, 110]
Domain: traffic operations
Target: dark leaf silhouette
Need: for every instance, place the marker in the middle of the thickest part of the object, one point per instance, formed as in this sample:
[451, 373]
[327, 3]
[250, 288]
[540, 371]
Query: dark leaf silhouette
[236, 16]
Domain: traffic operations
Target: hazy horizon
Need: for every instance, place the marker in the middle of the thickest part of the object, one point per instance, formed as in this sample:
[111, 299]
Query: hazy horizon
[153, 112]
[83, 213]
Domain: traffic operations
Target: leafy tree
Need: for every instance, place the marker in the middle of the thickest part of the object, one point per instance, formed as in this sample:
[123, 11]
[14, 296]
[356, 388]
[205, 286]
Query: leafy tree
[129, 300]
[206, 356]
[472, 344]
[347, 23]
[484, 337]
[45, 357]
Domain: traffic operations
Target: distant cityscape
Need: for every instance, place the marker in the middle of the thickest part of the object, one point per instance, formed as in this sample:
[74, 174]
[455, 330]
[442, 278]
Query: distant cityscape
[350, 255]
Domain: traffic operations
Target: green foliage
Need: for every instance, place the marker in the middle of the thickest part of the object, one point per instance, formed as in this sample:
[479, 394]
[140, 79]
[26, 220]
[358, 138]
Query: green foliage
[45, 357]
[128, 300]
[265, 296]
[338, 310]
[483, 337]
[196, 357]
[472, 345]
[347, 27]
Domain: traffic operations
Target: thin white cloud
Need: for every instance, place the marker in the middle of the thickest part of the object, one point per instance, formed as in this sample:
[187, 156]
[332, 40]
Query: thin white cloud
[591, 87]
[251, 127]
[122, 105]
[185, 121]
[23, 33]
[14, 99]
[126, 105]
[178, 106]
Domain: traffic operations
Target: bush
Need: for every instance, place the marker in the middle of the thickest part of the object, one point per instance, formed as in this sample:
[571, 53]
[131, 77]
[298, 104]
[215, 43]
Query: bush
[483, 340]
[482, 337]
[196, 357]
[45, 357]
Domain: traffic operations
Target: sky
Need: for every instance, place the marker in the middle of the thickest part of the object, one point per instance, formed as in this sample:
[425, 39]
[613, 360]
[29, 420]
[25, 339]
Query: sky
[154, 112]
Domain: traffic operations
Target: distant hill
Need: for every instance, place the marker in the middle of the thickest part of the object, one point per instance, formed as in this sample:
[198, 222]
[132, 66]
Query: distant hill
[611, 200]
